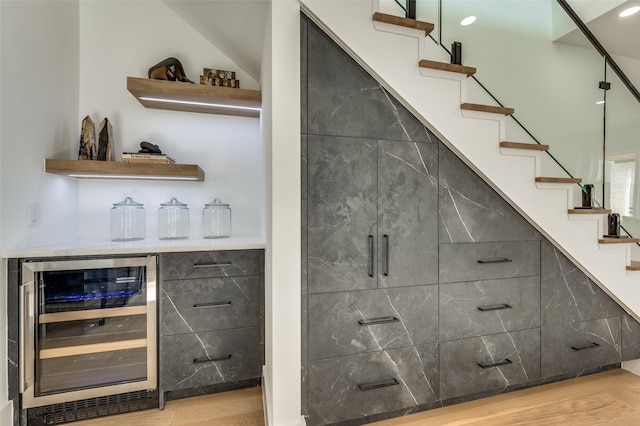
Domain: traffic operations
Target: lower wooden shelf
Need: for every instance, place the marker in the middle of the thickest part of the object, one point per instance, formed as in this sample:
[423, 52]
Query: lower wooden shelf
[92, 169]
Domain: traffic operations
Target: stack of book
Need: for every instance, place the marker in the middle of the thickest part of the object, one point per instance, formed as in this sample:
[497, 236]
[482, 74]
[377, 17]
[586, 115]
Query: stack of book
[214, 77]
[148, 157]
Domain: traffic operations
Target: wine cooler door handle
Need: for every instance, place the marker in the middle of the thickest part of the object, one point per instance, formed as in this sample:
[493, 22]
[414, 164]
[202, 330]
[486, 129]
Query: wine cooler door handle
[27, 335]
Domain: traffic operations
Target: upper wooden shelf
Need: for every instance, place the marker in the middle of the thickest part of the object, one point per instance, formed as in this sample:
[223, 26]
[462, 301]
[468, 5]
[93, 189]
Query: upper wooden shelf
[120, 170]
[178, 96]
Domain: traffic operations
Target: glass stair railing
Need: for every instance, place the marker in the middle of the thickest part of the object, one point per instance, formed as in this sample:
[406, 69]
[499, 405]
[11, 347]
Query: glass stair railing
[566, 90]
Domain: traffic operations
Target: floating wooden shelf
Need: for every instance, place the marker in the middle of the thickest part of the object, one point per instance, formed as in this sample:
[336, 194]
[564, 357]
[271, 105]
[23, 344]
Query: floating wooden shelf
[403, 22]
[120, 170]
[558, 180]
[444, 66]
[178, 96]
[635, 266]
[520, 145]
[609, 240]
[589, 211]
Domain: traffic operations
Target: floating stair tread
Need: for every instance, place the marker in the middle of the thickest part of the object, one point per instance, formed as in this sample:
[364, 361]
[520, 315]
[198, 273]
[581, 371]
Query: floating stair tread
[589, 211]
[487, 108]
[443, 66]
[608, 240]
[521, 145]
[635, 266]
[558, 180]
[404, 22]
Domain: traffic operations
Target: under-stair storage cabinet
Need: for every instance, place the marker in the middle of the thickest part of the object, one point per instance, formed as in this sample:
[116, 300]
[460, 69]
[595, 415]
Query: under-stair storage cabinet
[210, 321]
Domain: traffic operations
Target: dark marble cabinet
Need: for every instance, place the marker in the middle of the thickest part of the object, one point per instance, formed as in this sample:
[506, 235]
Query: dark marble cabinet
[211, 326]
[422, 286]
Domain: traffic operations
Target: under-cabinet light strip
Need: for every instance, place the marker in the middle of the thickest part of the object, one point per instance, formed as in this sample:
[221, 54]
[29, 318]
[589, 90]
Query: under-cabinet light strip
[174, 101]
[75, 175]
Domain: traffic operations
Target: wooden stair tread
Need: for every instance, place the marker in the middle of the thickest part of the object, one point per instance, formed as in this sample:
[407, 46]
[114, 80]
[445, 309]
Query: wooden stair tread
[608, 240]
[557, 180]
[404, 22]
[521, 145]
[487, 108]
[589, 211]
[635, 266]
[444, 66]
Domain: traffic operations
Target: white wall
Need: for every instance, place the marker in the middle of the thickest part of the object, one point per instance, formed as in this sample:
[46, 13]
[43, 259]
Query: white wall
[120, 39]
[281, 133]
[39, 113]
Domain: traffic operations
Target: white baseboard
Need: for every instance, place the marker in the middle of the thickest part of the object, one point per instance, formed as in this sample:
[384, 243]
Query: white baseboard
[6, 414]
[632, 366]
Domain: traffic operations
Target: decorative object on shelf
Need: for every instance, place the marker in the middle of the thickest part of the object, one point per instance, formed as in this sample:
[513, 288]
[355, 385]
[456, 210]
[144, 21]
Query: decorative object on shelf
[127, 220]
[137, 157]
[587, 196]
[148, 147]
[214, 77]
[106, 150]
[456, 53]
[173, 220]
[613, 225]
[169, 69]
[216, 219]
[87, 140]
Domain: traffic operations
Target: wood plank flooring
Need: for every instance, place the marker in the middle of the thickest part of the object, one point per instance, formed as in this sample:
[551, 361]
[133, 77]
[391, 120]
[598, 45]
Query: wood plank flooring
[234, 408]
[610, 398]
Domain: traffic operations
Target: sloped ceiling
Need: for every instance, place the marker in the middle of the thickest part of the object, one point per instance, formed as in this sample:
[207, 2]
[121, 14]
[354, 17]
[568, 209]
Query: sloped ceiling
[236, 27]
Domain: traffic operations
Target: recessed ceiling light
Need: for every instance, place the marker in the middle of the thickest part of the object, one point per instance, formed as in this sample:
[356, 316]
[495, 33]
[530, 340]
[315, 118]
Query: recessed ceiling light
[630, 11]
[468, 20]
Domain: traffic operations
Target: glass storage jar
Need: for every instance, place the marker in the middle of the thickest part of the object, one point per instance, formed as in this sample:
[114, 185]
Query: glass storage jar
[127, 221]
[216, 219]
[173, 220]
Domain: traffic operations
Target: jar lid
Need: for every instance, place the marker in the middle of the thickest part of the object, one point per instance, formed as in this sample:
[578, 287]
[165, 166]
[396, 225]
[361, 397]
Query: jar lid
[216, 203]
[128, 202]
[174, 203]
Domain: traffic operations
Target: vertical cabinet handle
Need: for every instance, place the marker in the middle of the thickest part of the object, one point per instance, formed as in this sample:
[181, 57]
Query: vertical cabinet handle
[371, 256]
[386, 255]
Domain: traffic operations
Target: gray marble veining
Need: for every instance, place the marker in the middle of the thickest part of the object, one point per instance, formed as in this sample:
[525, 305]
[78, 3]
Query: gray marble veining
[342, 205]
[343, 99]
[461, 372]
[630, 338]
[471, 211]
[207, 304]
[345, 388]
[183, 358]
[481, 261]
[397, 317]
[579, 346]
[488, 307]
[568, 295]
[407, 213]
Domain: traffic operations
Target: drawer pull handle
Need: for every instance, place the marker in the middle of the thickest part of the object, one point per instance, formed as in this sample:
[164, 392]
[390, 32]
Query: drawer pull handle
[582, 348]
[374, 321]
[211, 265]
[211, 359]
[371, 254]
[378, 385]
[495, 260]
[505, 361]
[494, 307]
[212, 305]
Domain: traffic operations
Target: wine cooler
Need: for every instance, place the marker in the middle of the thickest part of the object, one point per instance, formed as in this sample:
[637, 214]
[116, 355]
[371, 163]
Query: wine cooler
[87, 329]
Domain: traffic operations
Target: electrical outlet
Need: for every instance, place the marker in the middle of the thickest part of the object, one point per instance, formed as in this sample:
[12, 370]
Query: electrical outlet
[33, 215]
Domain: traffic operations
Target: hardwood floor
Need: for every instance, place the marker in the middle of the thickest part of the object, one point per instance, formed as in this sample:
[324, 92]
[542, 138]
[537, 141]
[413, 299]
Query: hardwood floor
[610, 398]
[234, 408]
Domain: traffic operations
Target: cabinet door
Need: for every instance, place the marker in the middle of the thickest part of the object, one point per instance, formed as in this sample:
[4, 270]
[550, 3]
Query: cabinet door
[342, 198]
[407, 213]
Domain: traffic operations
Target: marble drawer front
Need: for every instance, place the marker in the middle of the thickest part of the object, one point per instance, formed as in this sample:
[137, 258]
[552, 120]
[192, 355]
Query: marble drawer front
[354, 322]
[377, 382]
[209, 358]
[477, 308]
[580, 346]
[482, 261]
[490, 362]
[209, 304]
[180, 266]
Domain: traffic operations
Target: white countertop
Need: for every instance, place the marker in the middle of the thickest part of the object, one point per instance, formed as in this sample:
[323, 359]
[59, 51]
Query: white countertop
[102, 247]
